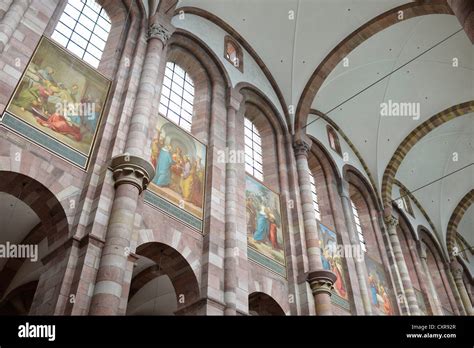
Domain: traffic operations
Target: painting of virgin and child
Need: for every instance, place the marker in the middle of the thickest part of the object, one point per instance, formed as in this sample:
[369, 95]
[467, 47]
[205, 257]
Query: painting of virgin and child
[331, 260]
[180, 161]
[61, 96]
[264, 230]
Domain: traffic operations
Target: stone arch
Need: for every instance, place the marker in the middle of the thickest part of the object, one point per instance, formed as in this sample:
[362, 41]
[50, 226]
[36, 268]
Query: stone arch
[41, 200]
[247, 47]
[272, 288]
[262, 304]
[352, 175]
[352, 41]
[326, 174]
[185, 245]
[19, 300]
[206, 71]
[168, 261]
[454, 220]
[411, 139]
[53, 229]
[259, 110]
[123, 16]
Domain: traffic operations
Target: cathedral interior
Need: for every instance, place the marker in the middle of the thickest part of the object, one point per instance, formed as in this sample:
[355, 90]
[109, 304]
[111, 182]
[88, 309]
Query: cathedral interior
[237, 157]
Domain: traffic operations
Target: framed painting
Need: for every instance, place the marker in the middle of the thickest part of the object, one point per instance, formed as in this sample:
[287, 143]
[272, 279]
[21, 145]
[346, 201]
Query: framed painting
[180, 163]
[331, 259]
[60, 97]
[379, 289]
[264, 226]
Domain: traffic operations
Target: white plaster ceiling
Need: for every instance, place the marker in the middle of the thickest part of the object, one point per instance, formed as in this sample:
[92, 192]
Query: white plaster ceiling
[430, 80]
[293, 48]
[443, 151]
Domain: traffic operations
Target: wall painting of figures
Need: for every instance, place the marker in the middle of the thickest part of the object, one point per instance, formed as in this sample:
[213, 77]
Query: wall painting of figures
[58, 103]
[379, 290]
[266, 244]
[331, 258]
[180, 163]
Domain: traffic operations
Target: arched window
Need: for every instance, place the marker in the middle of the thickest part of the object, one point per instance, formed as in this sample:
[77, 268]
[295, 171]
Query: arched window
[253, 150]
[233, 53]
[177, 96]
[83, 29]
[358, 227]
[315, 196]
[334, 140]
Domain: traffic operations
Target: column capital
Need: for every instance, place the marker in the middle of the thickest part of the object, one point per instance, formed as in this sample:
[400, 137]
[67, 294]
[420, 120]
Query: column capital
[456, 269]
[234, 99]
[422, 250]
[160, 31]
[321, 281]
[391, 222]
[343, 189]
[132, 170]
[302, 147]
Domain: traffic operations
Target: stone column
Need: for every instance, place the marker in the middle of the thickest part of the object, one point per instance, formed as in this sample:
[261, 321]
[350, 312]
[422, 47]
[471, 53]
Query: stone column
[132, 173]
[354, 240]
[454, 289]
[231, 204]
[11, 19]
[457, 272]
[424, 287]
[320, 280]
[392, 223]
[437, 309]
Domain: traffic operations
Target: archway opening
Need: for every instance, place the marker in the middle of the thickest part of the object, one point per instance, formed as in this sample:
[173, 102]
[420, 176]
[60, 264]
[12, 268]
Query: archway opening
[163, 282]
[263, 304]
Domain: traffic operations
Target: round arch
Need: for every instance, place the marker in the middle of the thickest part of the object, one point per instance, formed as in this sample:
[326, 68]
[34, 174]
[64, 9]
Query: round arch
[167, 261]
[363, 33]
[262, 304]
[411, 139]
[455, 219]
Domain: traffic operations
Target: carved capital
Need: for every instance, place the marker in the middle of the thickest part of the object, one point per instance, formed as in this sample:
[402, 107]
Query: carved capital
[234, 99]
[456, 270]
[321, 281]
[301, 148]
[391, 222]
[158, 31]
[132, 170]
[422, 251]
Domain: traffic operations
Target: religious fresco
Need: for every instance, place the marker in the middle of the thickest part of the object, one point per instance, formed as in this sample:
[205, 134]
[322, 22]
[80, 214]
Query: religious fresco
[331, 259]
[264, 225]
[379, 290]
[180, 163]
[62, 97]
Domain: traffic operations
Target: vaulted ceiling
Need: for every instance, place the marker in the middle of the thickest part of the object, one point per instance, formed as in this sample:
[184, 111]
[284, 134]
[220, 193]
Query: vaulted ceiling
[294, 37]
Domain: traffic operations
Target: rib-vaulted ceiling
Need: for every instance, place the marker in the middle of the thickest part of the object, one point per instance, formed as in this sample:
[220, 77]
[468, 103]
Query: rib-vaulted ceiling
[428, 60]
